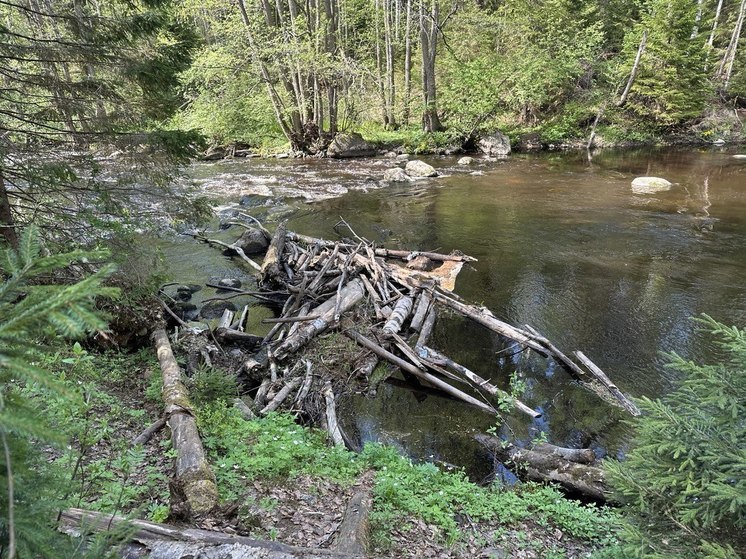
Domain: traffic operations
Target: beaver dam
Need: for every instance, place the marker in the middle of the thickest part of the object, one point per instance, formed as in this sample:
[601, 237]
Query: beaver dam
[349, 315]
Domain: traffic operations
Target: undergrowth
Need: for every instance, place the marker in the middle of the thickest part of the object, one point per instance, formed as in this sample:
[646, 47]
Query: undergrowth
[275, 447]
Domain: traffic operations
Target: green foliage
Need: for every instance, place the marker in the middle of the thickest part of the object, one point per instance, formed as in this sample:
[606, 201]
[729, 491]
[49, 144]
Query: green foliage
[209, 385]
[32, 310]
[684, 481]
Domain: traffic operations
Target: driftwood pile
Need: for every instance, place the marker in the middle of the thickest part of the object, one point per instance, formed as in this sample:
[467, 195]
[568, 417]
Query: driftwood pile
[385, 301]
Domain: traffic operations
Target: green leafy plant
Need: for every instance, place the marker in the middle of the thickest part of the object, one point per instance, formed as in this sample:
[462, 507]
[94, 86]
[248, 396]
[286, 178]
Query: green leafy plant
[683, 482]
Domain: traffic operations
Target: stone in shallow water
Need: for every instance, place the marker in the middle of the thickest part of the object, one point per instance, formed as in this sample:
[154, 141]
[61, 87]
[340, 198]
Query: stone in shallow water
[395, 174]
[419, 168]
[214, 309]
[230, 282]
[466, 160]
[740, 156]
[650, 185]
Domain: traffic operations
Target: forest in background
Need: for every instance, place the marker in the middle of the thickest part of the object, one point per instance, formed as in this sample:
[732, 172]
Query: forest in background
[442, 72]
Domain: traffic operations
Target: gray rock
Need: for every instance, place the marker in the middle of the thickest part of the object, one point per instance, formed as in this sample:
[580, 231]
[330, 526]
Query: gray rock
[185, 311]
[282, 155]
[390, 155]
[402, 157]
[230, 282]
[395, 174]
[496, 143]
[349, 144]
[650, 185]
[530, 142]
[419, 168]
[253, 241]
[466, 160]
[214, 309]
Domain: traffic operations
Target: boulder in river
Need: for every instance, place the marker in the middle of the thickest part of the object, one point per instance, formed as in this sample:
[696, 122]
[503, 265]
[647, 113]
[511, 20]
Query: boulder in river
[650, 185]
[466, 160]
[235, 283]
[349, 144]
[496, 143]
[419, 168]
[395, 174]
[214, 309]
[253, 241]
[402, 157]
[214, 153]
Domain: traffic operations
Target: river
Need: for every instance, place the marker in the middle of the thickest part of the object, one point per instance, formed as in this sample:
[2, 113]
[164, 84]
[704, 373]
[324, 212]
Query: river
[563, 244]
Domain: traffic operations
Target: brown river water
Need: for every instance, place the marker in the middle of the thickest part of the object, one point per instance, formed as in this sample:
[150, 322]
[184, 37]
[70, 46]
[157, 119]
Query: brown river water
[563, 244]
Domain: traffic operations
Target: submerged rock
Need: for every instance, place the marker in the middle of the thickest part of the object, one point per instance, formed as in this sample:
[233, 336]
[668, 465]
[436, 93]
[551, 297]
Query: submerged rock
[395, 174]
[650, 185]
[214, 309]
[419, 168]
[496, 143]
[466, 160]
[230, 282]
[349, 144]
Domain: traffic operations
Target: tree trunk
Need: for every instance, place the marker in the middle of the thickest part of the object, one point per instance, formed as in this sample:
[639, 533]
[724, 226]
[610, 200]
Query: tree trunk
[635, 68]
[7, 225]
[407, 64]
[715, 21]
[726, 65]
[428, 46]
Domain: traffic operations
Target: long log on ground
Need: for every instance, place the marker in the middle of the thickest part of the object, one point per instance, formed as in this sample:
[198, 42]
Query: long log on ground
[477, 381]
[538, 465]
[161, 541]
[352, 293]
[354, 531]
[193, 472]
[623, 400]
[579, 455]
[272, 266]
[410, 368]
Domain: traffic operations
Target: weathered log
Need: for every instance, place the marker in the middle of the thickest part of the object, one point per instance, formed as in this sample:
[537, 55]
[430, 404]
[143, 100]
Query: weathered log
[291, 385]
[332, 425]
[148, 433]
[623, 400]
[193, 472]
[579, 455]
[237, 249]
[260, 398]
[428, 325]
[423, 306]
[271, 269]
[539, 465]
[400, 313]
[226, 319]
[422, 375]
[352, 293]
[477, 381]
[244, 409]
[286, 319]
[161, 541]
[307, 381]
[235, 336]
[436, 256]
[353, 533]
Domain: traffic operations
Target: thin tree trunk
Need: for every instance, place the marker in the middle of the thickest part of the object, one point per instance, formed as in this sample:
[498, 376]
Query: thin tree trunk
[726, 65]
[428, 42]
[407, 64]
[635, 69]
[715, 23]
[7, 225]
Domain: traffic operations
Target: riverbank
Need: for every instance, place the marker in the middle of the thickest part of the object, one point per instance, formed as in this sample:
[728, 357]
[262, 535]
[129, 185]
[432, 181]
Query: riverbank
[278, 481]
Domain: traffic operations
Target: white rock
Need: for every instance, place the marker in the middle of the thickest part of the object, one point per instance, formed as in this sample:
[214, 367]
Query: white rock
[466, 161]
[419, 168]
[395, 174]
[740, 156]
[402, 157]
[650, 185]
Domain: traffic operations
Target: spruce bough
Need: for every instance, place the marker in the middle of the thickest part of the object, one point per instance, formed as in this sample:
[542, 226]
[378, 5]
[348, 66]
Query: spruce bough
[684, 482]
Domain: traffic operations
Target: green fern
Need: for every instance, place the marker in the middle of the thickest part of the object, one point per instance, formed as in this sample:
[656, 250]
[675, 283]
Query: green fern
[684, 482]
[32, 310]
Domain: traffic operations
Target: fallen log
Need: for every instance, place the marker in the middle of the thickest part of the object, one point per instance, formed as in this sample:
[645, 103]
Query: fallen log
[291, 385]
[352, 293]
[423, 306]
[411, 255]
[579, 455]
[354, 530]
[401, 311]
[162, 541]
[148, 433]
[193, 472]
[540, 465]
[623, 400]
[332, 425]
[271, 269]
[427, 377]
[477, 381]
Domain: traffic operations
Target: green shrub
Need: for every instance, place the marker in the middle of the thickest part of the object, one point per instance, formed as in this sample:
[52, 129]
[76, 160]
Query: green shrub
[684, 482]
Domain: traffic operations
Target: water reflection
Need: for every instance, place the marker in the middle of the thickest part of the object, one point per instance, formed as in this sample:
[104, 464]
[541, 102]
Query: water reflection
[564, 245]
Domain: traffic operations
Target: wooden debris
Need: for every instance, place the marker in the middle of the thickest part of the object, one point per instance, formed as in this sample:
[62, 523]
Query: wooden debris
[148, 433]
[193, 472]
[624, 401]
[542, 464]
[332, 425]
[353, 536]
[271, 269]
[162, 541]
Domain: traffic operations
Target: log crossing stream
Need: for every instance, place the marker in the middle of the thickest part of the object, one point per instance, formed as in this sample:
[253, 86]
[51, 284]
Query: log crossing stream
[562, 244]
